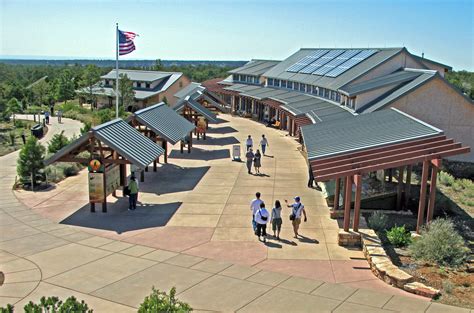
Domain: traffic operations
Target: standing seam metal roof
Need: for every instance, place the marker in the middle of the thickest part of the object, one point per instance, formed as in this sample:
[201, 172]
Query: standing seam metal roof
[197, 107]
[255, 67]
[362, 132]
[165, 122]
[128, 142]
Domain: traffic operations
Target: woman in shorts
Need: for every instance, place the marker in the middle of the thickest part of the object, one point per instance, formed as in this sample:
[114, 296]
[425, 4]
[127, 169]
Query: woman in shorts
[276, 220]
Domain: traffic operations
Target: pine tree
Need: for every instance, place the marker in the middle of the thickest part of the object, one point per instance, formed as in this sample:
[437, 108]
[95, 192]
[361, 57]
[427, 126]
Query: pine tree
[30, 161]
[57, 142]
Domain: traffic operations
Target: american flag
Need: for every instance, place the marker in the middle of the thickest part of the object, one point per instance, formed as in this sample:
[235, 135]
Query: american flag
[126, 44]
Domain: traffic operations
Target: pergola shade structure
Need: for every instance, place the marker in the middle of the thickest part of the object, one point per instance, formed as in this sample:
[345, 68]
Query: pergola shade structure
[164, 124]
[114, 143]
[192, 110]
[349, 148]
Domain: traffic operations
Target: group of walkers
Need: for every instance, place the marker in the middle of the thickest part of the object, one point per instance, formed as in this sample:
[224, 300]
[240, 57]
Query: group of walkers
[261, 216]
[255, 158]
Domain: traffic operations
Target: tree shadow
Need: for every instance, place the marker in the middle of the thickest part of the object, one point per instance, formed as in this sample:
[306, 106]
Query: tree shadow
[221, 130]
[222, 141]
[120, 220]
[172, 178]
[201, 154]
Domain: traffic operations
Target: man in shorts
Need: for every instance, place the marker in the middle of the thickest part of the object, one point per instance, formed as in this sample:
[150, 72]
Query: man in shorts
[297, 209]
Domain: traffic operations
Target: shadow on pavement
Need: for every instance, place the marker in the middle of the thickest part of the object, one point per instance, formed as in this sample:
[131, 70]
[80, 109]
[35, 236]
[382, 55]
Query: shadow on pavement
[201, 154]
[120, 220]
[222, 141]
[221, 130]
[171, 178]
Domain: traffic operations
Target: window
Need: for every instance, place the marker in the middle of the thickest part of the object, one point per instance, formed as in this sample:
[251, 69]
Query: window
[283, 83]
[326, 93]
[308, 88]
[277, 83]
[270, 82]
[148, 85]
[290, 85]
[256, 80]
[338, 97]
[315, 90]
[302, 87]
[139, 84]
[296, 86]
[106, 82]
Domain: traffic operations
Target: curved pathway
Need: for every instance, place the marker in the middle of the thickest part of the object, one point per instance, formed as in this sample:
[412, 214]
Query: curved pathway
[193, 232]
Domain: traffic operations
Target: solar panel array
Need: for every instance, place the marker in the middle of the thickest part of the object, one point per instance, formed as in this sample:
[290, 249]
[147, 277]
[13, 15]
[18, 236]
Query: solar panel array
[330, 63]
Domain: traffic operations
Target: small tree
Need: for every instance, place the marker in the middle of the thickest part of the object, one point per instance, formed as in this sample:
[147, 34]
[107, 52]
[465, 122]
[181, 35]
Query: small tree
[53, 304]
[64, 86]
[159, 301]
[89, 79]
[14, 106]
[40, 91]
[126, 92]
[30, 161]
[57, 142]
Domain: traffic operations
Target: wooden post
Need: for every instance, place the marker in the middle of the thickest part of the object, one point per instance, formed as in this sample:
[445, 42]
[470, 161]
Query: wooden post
[104, 203]
[347, 203]
[142, 176]
[154, 165]
[390, 175]
[358, 183]
[400, 187]
[432, 199]
[337, 191]
[92, 207]
[181, 146]
[408, 185]
[164, 144]
[422, 204]
[190, 143]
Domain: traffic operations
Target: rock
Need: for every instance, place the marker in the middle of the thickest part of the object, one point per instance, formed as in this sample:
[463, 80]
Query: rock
[421, 289]
[470, 267]
[403, 252]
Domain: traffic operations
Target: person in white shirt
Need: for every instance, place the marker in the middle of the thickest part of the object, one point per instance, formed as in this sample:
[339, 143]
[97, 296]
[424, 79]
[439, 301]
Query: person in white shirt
[296, 211]
[249, 143]
[254, 207]
[264, 144]
[261, 218]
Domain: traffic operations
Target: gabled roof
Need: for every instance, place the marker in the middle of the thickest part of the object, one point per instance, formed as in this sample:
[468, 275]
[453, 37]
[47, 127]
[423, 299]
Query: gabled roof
[138, 75]
[362, 132]
[255, 67]
[395, 78]
[121, 137]
[279, 71]
[399, 92]
[189, 89]
[423, 60]
[165, 122]
[196, 107]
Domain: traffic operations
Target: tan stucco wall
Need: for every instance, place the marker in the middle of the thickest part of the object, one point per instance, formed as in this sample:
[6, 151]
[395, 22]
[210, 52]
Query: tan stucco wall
[435, 67]
[366, 97]
[440, 105]
[170, 92]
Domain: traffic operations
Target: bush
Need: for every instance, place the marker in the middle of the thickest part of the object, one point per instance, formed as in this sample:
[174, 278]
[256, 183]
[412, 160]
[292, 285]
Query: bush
[440, 244]
[457, 186]
[11, 136]
[159, 301]
[30, 160]
[378, 221]
[86, 128]
[54, 173]
[58, 142]
[52, 304]
[71, 169]
[399, 236]
[445, 179]
[7, 309]
[447, 286]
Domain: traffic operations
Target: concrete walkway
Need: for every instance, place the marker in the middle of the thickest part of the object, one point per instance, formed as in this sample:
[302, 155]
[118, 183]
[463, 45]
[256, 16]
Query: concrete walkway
[193, 232]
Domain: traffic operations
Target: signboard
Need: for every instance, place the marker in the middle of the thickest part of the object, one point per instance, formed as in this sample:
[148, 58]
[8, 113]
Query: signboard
[236, 152]
[96, 187]
[112, 181]
[95, 166]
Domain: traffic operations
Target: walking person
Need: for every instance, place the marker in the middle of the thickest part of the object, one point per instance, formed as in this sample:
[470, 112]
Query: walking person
[264, 144]
[133, 189]
[295, 216]
[311, 178]
[254, 207]
[257, 161]
[249, 155]
[261, 218]
[46, 116]
[60, 115]
[276, 220]
[249, 143]
[23, 136]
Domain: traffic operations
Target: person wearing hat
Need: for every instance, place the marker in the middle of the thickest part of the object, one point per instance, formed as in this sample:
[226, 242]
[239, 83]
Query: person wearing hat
[295, 216]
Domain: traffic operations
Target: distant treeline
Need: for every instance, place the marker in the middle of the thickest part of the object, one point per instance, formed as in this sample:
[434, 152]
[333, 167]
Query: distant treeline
[122, 63]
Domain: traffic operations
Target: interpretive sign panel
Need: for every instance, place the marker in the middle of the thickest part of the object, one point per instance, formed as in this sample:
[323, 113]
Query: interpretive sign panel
[96, 187]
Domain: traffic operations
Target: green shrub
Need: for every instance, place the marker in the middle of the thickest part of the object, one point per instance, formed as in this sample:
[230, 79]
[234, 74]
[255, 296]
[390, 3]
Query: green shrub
[466, 183]
[54, 173]
[7, 309]
[71, 169]
[11, 136]
[457, 186]
[447, 286]
[30, 160]
[159, 301]
[378, 221]
[466, 201]
[58, 142]
[19, 124]
[399, 236]
[86, 128]
[53, 304]
[445, 179]
[440, 244]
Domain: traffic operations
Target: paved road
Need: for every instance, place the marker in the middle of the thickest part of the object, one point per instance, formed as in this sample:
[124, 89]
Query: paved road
[192, 232]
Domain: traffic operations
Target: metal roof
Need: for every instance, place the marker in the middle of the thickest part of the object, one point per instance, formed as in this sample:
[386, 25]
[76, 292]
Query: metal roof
[395, 78]
[363, 131]
[387, 99]
[137, 75]
[334, 83]
[255, 67]
[423, 59]
[189, 89]
[165, 122]
[121, 137]
[210, 116]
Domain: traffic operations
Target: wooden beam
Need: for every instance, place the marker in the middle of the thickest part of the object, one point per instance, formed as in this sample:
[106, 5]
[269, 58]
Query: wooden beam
[400, 187]
[392, 164]
[408, 185]
[422, 203]
[432, 199]
[84, 160]
[337, 191]
[347, 202]
[376, 150]
[358, 184]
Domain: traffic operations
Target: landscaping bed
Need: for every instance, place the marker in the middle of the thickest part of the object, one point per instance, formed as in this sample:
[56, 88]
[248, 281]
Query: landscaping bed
[10, 135]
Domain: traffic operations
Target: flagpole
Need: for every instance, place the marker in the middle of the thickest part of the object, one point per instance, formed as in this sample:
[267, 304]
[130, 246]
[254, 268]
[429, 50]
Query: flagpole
[116, 71]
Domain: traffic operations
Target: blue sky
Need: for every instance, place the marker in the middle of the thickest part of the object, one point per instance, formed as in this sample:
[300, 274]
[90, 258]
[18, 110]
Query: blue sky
[236, 30]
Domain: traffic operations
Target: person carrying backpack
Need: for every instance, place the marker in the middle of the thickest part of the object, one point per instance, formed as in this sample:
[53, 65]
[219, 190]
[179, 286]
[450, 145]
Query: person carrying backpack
[261, 218]
[295, 216]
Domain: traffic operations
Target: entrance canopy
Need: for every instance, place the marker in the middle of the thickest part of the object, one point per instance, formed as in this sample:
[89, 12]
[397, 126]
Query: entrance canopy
[164, 122]
[371, 142]
[190, 103]
[115, 142]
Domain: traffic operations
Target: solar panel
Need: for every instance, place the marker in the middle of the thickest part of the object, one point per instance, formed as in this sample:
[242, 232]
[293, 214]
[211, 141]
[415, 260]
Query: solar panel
[306, 60]
[336, 61]
[356, 59]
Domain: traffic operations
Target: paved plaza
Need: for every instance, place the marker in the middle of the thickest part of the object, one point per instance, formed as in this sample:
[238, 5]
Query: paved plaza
[192, 230]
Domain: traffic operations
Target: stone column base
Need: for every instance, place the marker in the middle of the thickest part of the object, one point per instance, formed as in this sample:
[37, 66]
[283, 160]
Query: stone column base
[348, 239]
[335, 214]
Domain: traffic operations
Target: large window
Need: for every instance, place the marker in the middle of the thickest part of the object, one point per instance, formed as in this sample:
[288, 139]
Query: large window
[283, 83]
[290, 85]
[148, 85]
[296, 86]
[270, 82]
[315, 90]
[302, 87]
[326, 93]
[256, 80]
[276, 83]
